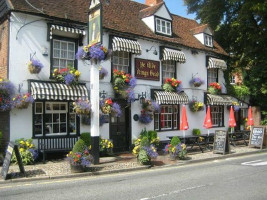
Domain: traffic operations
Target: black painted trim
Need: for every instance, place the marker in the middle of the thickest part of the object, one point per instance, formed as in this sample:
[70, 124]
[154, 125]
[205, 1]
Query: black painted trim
[155, 26]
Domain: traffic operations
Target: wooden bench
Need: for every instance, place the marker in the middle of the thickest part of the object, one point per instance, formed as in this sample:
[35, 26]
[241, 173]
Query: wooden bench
[56, 144]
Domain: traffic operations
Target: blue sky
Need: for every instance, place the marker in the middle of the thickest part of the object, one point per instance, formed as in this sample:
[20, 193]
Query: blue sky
[175, 7]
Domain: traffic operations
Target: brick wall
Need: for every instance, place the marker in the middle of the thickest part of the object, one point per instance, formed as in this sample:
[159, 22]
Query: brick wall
[5, 129]
[4, 49]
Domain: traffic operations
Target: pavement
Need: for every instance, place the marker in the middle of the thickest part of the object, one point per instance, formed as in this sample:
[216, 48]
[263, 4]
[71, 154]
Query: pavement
[124, 162]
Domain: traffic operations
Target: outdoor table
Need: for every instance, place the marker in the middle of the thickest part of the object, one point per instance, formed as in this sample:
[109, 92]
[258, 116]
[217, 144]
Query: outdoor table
[209, 138]
[237, 136]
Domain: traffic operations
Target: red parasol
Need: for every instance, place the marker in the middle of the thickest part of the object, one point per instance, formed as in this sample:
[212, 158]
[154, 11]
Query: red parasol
[250, 121]
[183, 122]
[208, 123]
[231, 121]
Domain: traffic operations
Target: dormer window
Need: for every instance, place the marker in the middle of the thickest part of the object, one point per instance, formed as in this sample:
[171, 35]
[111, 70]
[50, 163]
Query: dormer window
[208, 40]
[163, 26]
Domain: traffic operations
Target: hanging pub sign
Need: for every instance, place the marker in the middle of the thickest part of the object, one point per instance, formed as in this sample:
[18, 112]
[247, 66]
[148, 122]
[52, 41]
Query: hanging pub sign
[95, 26]
[147, 69]
[256, 137]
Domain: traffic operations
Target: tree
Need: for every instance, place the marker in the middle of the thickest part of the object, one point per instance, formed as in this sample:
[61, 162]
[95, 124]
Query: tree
[240, 28]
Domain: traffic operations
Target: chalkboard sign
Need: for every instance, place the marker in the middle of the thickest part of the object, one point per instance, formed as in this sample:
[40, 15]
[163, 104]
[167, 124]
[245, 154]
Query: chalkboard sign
[10, 148]
[256, 137]
[221, 142]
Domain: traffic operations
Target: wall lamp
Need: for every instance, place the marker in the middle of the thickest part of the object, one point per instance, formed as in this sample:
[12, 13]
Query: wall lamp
[154, 52]
[103, 94]
[141, 97]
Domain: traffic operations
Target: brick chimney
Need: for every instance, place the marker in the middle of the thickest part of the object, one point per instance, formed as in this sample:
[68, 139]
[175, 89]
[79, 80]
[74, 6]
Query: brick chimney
[153, 2]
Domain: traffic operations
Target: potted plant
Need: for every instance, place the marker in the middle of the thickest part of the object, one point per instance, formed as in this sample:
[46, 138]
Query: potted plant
[94, 53]
[79, 161]
[82, 107]
[196, 106]
[214, 88]
[107, 106]
[22, 101]
[147, 112]
[35, 66]
[6, 92]
[123, 85]
[176, 149]
[102, 73]
[196, 82]
[196, 132]
[172, 85]
[69, 75]
[105, 147]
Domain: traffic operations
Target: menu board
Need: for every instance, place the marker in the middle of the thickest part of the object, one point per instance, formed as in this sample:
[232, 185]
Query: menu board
[221, 142]
[10, 148]
[256, 137]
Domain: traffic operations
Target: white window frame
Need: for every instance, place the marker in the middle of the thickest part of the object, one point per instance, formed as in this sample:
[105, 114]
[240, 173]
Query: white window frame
[42, 118]
[120, 61]
[232, 80]
[217, 115]
[163, 26]
[208, 40]
[170, 116]
[168, 69]
[212, 75]
[68, 60]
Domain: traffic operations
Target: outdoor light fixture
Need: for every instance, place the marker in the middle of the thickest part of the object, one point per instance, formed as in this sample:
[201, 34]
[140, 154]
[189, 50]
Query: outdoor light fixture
[154, 52]
[102, 94]
[142, 97]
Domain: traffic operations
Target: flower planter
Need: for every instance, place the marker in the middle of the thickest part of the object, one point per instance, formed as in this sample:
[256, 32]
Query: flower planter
[23, 105]
[82, 111]
[77, 168]
[33, 69]
[197, 84]
[173, 156]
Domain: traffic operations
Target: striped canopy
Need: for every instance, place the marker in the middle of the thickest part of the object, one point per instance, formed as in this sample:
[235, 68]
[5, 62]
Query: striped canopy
[213, 99]
[163, 97]
[122, 44]
[65, 29]
[217, 63]
[171, 54]
[57, 91]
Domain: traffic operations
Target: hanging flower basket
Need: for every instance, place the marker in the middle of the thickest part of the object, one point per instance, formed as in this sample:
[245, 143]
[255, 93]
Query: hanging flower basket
[102, 73]
[147, 112]
[107, 106]
[196, 106]
[35, 66]
[214, 88]
[123, 85]
[172, 85]
[69, 75]
[6, 92]
[22, 101]
[82, 107]
[196, 82]
[94, 53]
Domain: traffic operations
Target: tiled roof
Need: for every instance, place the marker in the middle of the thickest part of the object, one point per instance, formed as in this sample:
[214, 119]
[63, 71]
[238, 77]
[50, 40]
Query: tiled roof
[150, 10]
[119, 16]
[200, 29]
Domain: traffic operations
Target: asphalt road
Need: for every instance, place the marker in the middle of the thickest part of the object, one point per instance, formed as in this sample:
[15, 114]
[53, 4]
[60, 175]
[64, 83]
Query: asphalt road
[233, 178]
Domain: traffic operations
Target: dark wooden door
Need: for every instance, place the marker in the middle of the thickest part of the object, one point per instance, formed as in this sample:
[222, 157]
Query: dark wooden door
[120, 130]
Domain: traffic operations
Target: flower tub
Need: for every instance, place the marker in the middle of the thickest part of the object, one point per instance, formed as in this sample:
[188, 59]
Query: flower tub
[69, 75]
[102, 73]
[172, 85]
[107, 106]
[82, 107]
[6, 92]
[196, 106]
[22, 101]
[35, 66]
[196, 82]
[214, 88]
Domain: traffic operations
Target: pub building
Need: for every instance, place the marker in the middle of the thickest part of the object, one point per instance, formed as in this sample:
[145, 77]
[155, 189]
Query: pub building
[147, 41]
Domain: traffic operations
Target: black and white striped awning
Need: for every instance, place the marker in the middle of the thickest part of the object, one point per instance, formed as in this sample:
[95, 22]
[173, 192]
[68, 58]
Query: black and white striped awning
[163, 97]
[213, 99]
[57, 91]
[217, 63]
[122, 44]
[171, 54]
[65, 29]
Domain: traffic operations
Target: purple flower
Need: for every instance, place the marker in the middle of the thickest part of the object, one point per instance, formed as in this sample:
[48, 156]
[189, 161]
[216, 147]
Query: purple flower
[116, 109]
[34, 153]
[131, 97]
[102, 73]
[101, 103]
[197, 81]
[151, 151]
[97, 53]
[80, 54]
[69, 78]
[145, 118]
[37, 63]
[179, 88]
[156, 106]
[133, 82]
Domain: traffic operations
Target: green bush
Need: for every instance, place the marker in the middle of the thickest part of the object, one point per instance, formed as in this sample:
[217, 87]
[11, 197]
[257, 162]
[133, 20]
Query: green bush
[144, 142]
[86, 137]
[26, 157]
[175, 141]
[79, 146]
[152, 135]
[196, 131]
[143, 157]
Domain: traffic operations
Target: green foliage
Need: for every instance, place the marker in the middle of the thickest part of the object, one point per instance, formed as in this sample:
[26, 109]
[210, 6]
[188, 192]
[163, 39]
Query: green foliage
[26, 157]
[143, 157]
[86, 137]
[144, 142]
[151, 135]
[79, 146]
[212, 90]
[264, 118]
[168, 88]
[196, 131]
[239, 91]
[175, 141]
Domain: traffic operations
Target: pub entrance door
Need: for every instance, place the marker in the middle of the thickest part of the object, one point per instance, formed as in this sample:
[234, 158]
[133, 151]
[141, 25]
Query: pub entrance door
[120, 129]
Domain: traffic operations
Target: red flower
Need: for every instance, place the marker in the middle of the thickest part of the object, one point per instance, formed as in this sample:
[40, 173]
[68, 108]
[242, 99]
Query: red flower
[63, 70]
[127, 80]
[109, 101]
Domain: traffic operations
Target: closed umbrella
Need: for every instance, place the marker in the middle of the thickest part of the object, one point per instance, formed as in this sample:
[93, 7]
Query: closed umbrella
[183, 123]
[250, 121]
[231, 121]
[207, 122]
